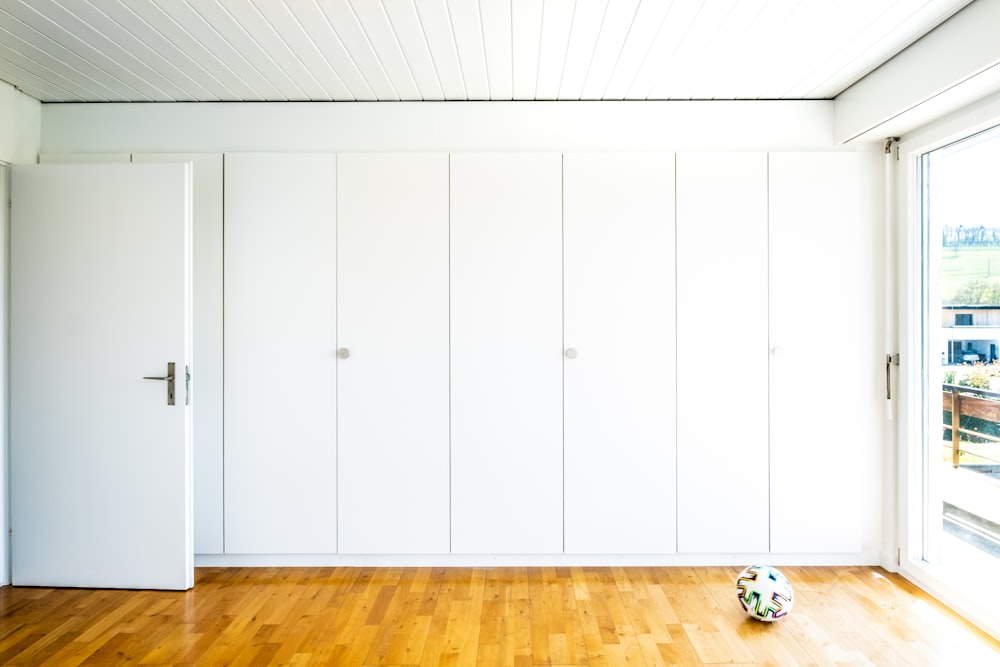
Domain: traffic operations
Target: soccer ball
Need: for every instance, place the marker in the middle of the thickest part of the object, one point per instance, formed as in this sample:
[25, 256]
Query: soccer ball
[764, 593]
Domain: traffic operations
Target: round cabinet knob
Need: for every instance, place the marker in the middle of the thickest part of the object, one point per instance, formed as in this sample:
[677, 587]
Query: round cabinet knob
[343, 353]
[775, 350]
[571, 353]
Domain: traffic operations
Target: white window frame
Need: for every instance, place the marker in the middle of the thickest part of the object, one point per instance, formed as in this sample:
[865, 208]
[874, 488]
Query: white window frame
[904, 460]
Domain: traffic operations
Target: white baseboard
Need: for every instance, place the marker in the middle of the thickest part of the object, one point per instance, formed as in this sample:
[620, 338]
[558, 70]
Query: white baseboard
[530, 560]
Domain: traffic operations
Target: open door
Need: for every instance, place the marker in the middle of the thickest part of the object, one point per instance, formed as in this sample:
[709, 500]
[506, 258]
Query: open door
[101, 477]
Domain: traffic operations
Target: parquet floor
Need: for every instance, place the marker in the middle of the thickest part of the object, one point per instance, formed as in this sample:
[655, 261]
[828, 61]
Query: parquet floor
[492, 617]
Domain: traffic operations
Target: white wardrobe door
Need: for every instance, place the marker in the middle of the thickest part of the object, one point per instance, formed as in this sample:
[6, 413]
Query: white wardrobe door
[506, 353]
[207, 369]
[824, 425]
[722, 354]
[280, 353]
[620, 353]
[392, 303]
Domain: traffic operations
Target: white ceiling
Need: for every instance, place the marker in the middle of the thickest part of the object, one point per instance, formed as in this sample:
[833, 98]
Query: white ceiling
[343, 50]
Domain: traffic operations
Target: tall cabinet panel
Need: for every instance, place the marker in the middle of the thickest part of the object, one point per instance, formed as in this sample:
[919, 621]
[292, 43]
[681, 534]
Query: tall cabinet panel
[392, 303]
[620, 353]
[823, 422]
[722, 353]
[280, 353]
[506, 353]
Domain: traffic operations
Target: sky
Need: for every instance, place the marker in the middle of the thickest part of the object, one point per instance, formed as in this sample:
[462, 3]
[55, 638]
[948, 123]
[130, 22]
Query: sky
[965, 182]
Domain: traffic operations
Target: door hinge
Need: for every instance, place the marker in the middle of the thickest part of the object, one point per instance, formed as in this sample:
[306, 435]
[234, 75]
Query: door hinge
[899, 556]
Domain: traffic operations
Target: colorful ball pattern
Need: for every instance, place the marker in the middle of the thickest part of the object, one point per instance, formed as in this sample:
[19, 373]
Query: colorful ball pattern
[764, 593]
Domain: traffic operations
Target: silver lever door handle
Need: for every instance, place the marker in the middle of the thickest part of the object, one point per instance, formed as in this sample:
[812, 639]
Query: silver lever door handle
[169, 378]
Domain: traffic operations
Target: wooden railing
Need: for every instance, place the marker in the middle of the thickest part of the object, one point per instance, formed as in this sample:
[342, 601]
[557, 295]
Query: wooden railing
[969, 402]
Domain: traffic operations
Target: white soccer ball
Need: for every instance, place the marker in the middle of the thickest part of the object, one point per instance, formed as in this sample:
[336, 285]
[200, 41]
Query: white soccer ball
[764, 592]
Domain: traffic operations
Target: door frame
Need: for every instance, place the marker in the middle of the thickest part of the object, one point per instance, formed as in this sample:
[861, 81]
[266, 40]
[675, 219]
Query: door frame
[5, 567]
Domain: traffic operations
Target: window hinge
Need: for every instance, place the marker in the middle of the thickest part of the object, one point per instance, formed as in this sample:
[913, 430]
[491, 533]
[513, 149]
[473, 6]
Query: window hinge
[890, 144]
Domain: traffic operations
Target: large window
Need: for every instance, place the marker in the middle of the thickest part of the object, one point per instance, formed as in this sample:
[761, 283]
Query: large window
[959, 471]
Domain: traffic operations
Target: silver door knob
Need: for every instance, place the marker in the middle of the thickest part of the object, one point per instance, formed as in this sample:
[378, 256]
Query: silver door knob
[571, 353]
[343, 353]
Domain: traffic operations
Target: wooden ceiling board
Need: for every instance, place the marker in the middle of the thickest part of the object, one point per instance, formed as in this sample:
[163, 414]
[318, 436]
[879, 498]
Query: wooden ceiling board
[497, 44]
[615, 30]
[467, 29]
[661, 53]
[588, 17]
[297, 53]
[175, 41]
[189, 30]
[263, 22]
[405, 21]
[678, 78]
[736, 45]
[557, 21]
[435, 20]
[116, 50]
[131, 33]
[648, 22]
[53, 31]
[379, 33]
[50, 53]
[344, 64]
[526, 41]
[39, 67]
[389, 50]
[253, 62]
[31, 82]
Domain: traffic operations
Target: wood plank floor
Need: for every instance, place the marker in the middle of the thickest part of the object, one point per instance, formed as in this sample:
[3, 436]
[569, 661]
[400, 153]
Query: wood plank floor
[504, 616]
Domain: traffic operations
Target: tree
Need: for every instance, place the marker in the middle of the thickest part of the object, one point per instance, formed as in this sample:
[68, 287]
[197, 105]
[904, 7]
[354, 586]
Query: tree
[973, 292]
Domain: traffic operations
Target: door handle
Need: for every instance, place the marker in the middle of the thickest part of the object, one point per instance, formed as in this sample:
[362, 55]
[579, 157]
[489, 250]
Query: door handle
[169, 378]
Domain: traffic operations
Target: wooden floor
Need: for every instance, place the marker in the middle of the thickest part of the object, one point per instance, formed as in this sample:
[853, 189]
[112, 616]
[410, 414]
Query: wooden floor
[504, 616]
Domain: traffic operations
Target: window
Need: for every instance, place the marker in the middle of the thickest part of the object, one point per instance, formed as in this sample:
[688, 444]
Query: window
[954, 488]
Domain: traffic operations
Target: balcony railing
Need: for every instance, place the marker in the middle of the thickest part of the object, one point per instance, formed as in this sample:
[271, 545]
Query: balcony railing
[981, 429]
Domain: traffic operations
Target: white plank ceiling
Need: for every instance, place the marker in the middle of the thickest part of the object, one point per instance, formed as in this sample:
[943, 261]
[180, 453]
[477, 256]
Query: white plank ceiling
[386, 50]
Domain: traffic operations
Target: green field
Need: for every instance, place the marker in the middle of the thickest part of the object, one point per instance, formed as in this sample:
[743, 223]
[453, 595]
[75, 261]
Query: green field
[962, 264]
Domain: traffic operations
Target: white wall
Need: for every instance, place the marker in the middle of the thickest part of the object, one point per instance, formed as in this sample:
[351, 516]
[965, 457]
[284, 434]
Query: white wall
[437, 126]
[20, 125]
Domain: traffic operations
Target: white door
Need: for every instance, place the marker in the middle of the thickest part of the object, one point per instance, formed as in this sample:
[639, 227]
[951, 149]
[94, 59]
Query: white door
[506, 353]
[280, 372]
[100, 299]
[620, 353]
[206, 402]
[392, 325]
[722, 356]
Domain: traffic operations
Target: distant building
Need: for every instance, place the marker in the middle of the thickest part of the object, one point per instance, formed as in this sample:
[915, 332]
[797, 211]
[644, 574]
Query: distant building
[970, 334]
